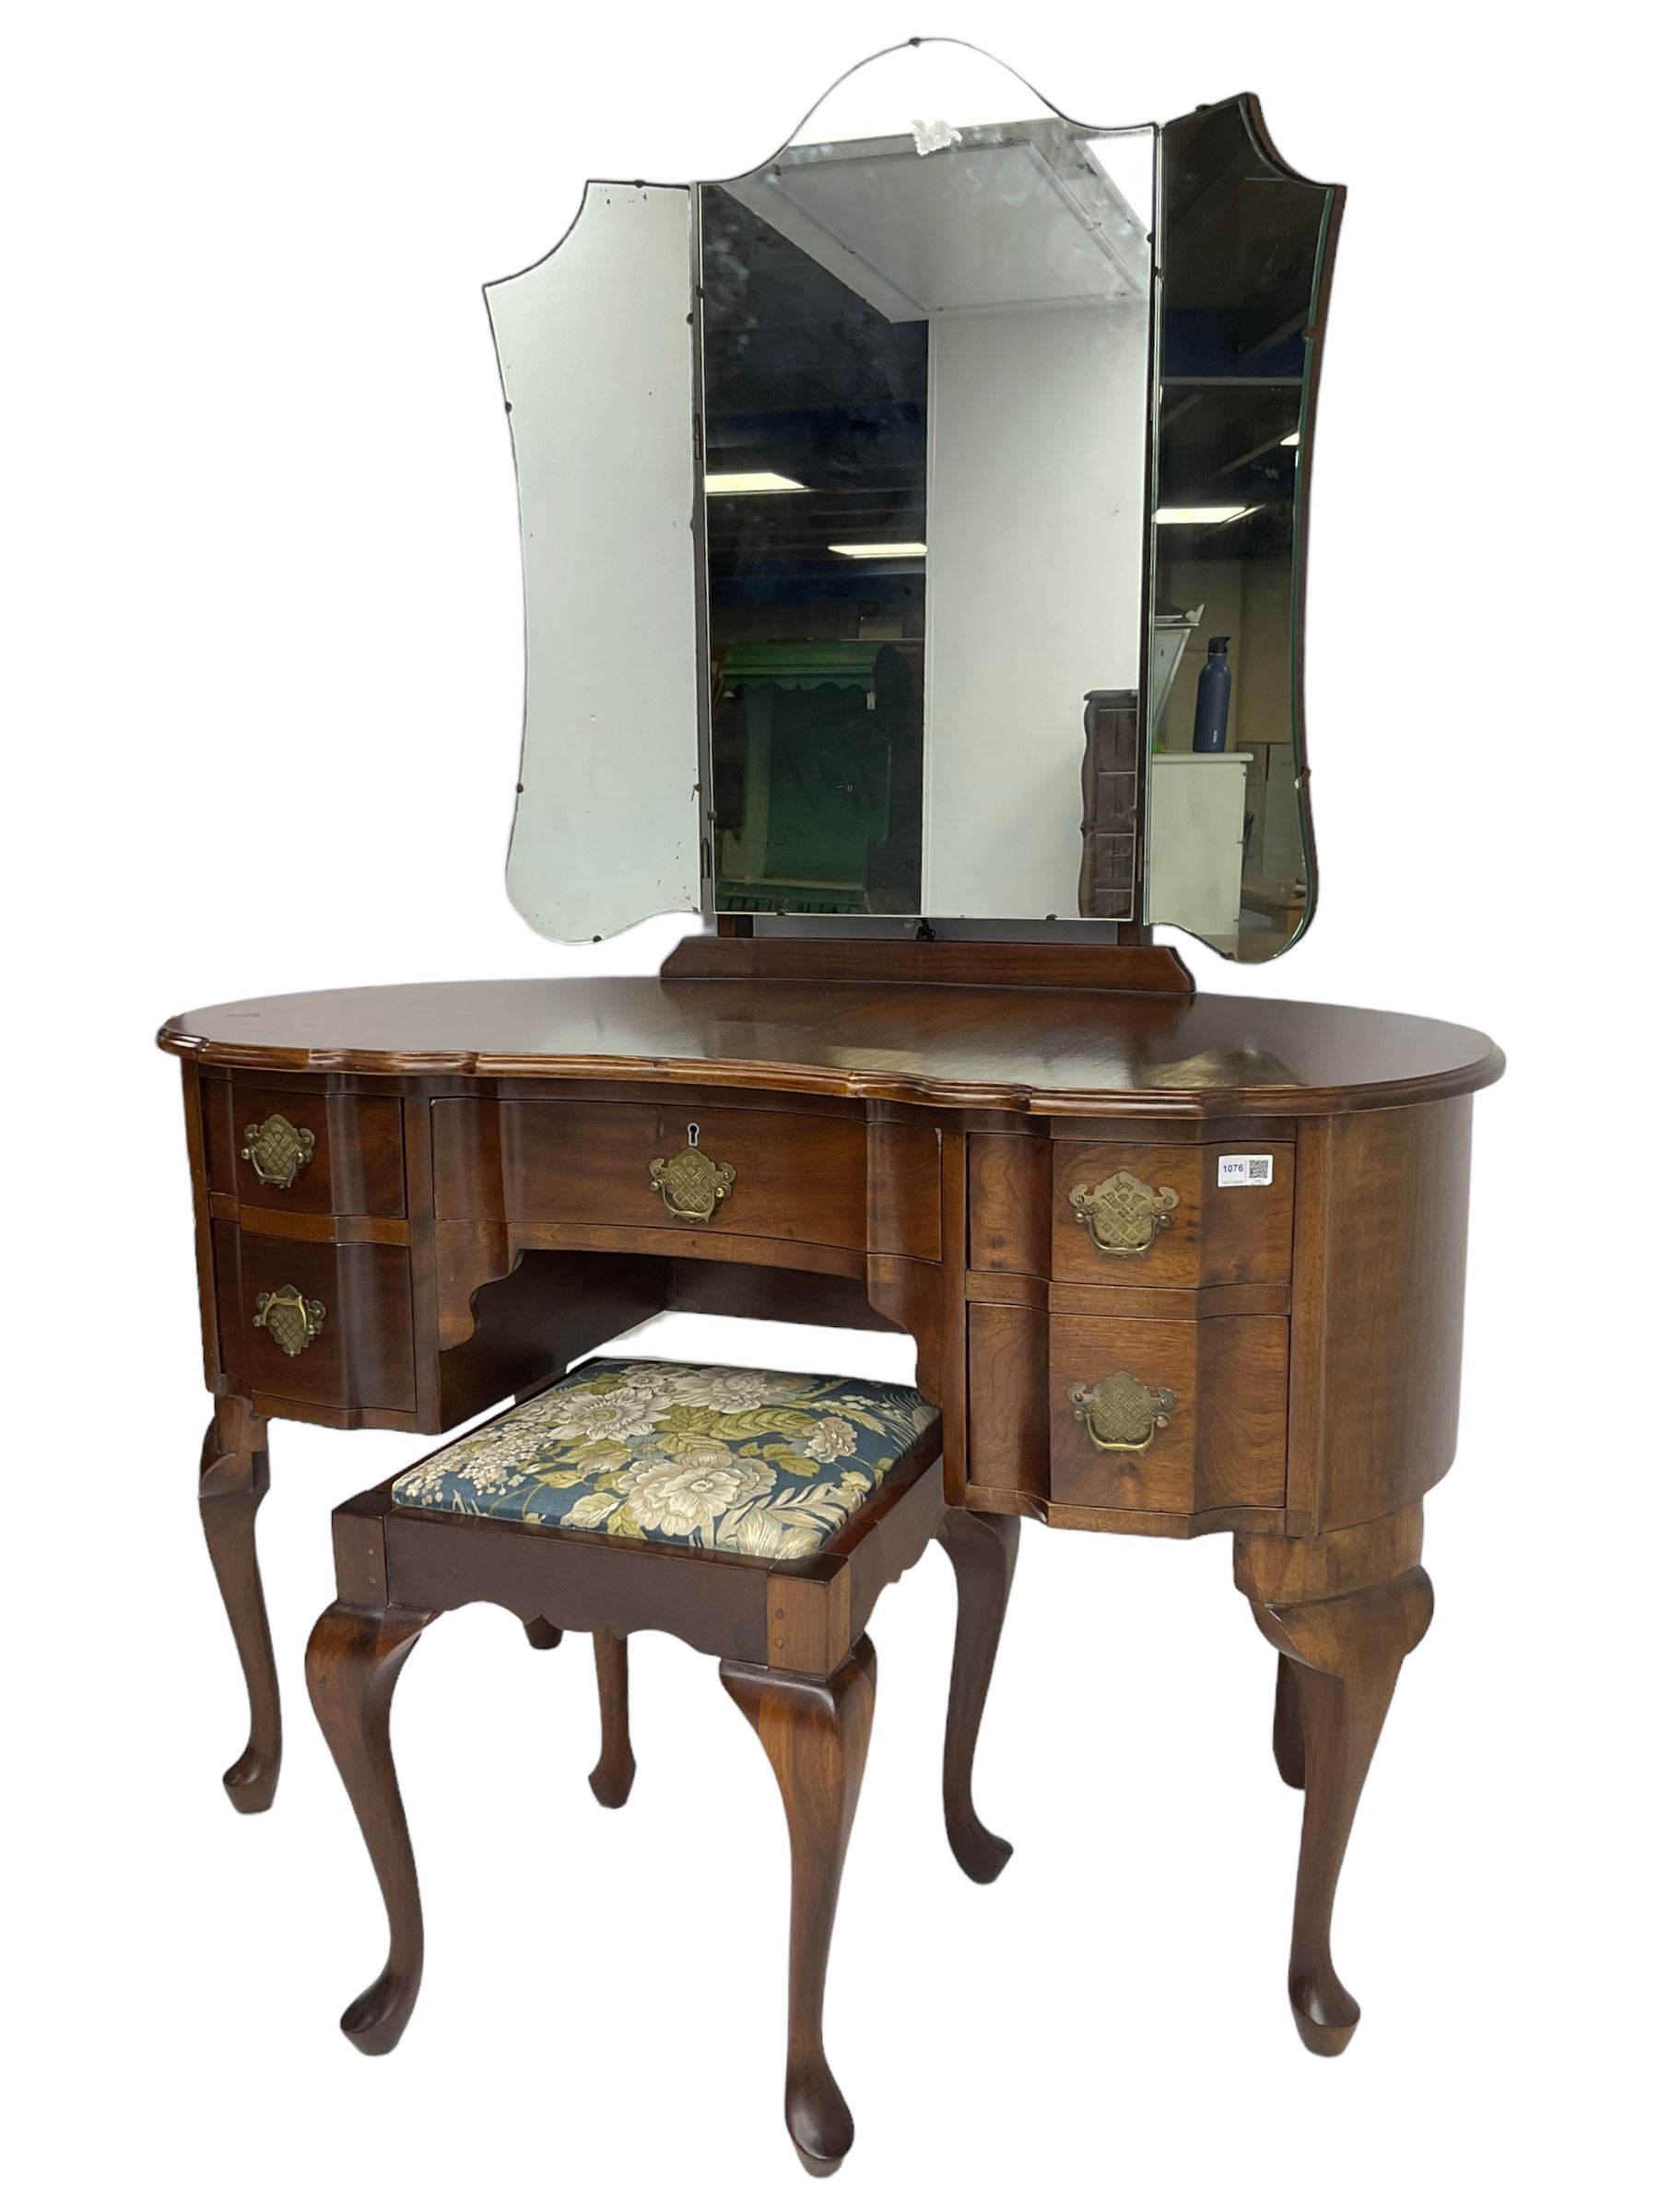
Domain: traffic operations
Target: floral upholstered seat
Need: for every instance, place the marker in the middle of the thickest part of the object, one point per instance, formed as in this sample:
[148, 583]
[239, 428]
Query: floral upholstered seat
[726, 1458]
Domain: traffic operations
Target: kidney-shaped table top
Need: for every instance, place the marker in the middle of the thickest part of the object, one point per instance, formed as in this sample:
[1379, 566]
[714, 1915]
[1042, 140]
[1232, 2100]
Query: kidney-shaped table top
[1025, 1049]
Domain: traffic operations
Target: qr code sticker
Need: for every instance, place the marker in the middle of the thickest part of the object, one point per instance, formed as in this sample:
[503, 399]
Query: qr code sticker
[1244, 1168]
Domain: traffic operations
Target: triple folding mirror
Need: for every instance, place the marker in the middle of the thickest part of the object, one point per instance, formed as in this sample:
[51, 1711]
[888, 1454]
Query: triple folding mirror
[914, 527]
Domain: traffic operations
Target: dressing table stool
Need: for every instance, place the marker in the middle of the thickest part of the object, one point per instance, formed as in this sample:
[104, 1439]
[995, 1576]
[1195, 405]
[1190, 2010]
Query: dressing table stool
[755, 1516]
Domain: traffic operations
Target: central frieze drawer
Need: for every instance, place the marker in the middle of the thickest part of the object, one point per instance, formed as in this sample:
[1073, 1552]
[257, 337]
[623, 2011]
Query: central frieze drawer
[675, 1168]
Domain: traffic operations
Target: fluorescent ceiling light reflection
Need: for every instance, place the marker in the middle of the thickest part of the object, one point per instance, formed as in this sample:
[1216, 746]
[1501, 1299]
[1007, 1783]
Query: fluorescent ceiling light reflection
[758, 479]
[910, 549]
[1201, 514]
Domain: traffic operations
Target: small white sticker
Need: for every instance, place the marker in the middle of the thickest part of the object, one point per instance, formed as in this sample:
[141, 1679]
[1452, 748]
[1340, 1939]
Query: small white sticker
[1254, 1168]
[934, 137]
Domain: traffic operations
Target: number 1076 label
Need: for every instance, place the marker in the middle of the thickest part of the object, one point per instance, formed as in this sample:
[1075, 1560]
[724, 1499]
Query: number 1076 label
[1254, 1168]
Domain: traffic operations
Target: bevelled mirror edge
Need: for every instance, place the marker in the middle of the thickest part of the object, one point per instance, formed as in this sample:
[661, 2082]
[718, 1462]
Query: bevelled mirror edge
[1275, 909]
[594, 345]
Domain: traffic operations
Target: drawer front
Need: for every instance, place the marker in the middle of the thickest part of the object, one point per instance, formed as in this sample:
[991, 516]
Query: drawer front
[1135, 1214]
[738, 1172]
[1165, 1416]
[304, 1152]
[320, 1325]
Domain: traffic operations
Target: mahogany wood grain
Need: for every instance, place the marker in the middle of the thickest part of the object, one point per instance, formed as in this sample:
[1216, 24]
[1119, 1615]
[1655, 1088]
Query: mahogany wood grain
[1396, 1244]
[509, 1322]
[272, 1408]
[308, 1229]
[816, 1736]
[982, 1549]
[197, 1149]
[904, 1201]
[1113, 1521]
[1289, 1754]
[352, 1664]
[1007, 1399]
[1225, 1442]
[1055, 1052]
[1346, 1653]
[1343, 1609]
[426, 1317]
[1237, 1132]
[799, 1176]
[1240, 1234]
[1009, 1181]
[740, 1288]
[235, 1476]
[1215, 1299]
[356, 1165]
[838, 1174]
[928, 960]
[364, 1354]
[613, 1777]
[671, 1241]
[1330, 1563]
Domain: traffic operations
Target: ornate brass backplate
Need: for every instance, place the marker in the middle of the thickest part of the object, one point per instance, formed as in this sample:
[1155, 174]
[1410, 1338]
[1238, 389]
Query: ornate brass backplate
[1120, 1414]
[1123, 1215]
[692, 1184]
[277, 1150]
[292, 1318]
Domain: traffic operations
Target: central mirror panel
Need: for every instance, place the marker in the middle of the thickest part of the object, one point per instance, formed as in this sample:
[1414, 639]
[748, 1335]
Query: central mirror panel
[914, 527]
[926, 367]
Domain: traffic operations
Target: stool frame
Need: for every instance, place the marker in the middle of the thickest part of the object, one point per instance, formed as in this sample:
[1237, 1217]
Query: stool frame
[794, 1656]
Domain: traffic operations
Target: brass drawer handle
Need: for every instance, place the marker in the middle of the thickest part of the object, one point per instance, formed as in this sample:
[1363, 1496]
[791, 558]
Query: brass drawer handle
[692, 1184]
[293, 1320]
[1123, 1215]
[1120, 1414]
[277, 1150]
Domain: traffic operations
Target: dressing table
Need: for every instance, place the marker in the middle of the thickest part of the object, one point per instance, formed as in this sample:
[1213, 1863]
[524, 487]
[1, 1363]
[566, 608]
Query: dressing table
[870, 503]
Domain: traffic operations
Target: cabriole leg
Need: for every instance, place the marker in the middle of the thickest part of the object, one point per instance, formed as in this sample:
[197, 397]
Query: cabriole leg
[351, 1667]
[1343, 1651]
[816, 1734]
[1287, 1728]
[982, 1548]
[235, 1475]
[613, 1777]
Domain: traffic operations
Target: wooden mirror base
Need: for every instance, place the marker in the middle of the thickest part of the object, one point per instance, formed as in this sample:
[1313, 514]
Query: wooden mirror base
[1154, 969]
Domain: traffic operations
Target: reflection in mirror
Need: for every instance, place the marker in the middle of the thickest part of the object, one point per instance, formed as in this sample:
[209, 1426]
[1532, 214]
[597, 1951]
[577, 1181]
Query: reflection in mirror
[815, 450]
[1245, 254]
[926, 361]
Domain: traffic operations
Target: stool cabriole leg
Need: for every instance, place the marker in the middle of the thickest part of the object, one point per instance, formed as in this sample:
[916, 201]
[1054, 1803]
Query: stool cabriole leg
[816, 1734]
[351, 1667]
[235, 1475]
[613, 1777]
[982, 1548]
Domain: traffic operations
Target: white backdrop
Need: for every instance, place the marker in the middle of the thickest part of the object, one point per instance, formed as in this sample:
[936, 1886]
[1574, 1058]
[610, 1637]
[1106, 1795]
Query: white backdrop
[264, 678]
